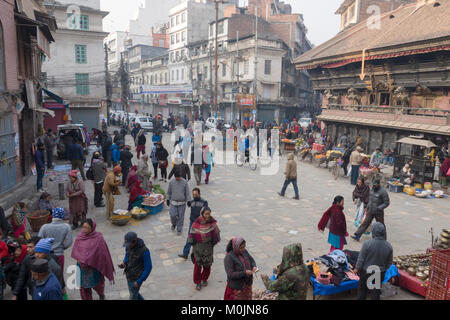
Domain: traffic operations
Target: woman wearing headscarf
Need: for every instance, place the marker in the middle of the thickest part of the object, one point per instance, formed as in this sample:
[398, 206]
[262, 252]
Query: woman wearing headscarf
[143, 172]
[361, 199]
[132, 178]
[240, 268]
[44, 204]
[334, 219]
[140, 143]
[94, 261]
[78, 202]
[204, 235]
[292, 279]
[137, 196]
[18, 221]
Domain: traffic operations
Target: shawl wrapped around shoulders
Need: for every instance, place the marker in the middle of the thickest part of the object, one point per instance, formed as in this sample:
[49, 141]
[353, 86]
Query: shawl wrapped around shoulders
[203, 231]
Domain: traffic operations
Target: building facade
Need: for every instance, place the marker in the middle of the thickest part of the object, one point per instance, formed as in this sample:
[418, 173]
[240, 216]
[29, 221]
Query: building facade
[390, 87]
[75, 70]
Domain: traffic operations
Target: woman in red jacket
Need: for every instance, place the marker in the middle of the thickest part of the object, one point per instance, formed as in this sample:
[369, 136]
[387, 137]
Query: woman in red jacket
[334, 219]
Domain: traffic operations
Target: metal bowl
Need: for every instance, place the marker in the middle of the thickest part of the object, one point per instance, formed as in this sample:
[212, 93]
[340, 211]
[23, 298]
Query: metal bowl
[411, 271]
[422, 276]
[445, 235]
[421, 269]
[427, 272]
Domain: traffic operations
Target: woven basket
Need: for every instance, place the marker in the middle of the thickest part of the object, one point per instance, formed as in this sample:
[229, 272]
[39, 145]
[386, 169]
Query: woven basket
[37, 219]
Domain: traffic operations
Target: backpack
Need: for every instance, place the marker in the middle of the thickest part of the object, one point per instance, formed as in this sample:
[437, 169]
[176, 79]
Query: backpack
[90, 174]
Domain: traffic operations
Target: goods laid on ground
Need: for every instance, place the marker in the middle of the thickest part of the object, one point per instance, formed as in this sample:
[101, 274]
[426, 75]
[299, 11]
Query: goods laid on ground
[158, 190]
[121, 212]
[120, 220]
[395, 186]
[260, 294]
[153, 200]
[139, 213]
[414, 272]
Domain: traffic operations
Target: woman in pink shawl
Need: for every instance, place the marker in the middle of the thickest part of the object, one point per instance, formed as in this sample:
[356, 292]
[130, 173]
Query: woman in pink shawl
[94, 261]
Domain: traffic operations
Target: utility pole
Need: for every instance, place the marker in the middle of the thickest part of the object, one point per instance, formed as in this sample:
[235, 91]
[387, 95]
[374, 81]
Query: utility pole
[216, 109]
[192, 83]
[255, 82]
[238, 62]
[210, 78]
[108, 87]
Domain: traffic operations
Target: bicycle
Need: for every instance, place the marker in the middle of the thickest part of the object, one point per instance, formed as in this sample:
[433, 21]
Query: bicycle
[241, 159]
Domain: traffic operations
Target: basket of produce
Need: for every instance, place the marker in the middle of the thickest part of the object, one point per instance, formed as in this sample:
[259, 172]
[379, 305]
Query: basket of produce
[37, 219]
[428, 186]
[158, 190]
[120, 220]
[138, 213]
[396, 187]
[409, 190]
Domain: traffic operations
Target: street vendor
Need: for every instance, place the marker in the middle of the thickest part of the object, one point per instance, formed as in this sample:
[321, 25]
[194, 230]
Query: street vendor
[137, 195]
[407, 175]
[376, 158]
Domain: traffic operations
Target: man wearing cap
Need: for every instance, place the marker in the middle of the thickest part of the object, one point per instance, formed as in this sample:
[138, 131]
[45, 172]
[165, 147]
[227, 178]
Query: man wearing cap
[43, 250]
[355, 161]
[99, 172]
[111, 187]
[137, 264]
[61, 232]
[378, 201]
[178, 195]
[47, 286]
[76, 156]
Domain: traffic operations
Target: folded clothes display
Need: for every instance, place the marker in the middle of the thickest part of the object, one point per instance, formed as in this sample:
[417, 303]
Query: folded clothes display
[153, 200]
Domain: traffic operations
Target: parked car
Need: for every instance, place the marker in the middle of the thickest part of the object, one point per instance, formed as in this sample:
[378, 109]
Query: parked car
[66, 134]
[145, 122]
[305, 122]
[212, 123]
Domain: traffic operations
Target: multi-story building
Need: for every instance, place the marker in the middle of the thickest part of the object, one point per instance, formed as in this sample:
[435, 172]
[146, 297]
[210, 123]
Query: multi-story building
[189, 23]
[161, 36]
[387, 87]
[156, 77]
[136, 55]
[354, 11]
[25, 35]
[76, 69]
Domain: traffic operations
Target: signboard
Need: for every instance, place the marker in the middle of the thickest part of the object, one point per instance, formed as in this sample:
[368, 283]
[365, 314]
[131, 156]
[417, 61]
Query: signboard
[174, 101]
[245, 101]
[166, 89]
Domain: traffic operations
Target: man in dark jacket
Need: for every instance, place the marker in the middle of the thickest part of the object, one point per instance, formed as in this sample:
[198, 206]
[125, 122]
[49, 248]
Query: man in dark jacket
[25, 280]
[378, 201]
[106, 148]
[40, 166]
[374, 254]
[196, 205]
[99, 171]
[181, 167]
[47, 286]
[50, 144]
[137, 264]
[125, 162]
[42, 250]
[76, 157]
[135, 132]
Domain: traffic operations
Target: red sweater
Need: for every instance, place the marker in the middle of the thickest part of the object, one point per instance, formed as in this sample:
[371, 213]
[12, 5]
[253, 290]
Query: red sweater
[444, 167]
[338, 224]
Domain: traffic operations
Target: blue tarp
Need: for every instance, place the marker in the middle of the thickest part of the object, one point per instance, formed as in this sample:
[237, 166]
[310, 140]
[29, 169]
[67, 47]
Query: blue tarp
[326, 290]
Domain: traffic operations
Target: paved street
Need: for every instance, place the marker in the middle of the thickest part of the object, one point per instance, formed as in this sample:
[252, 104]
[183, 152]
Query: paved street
[246, 204]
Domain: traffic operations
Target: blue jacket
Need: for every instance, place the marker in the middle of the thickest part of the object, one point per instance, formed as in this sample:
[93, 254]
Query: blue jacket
[75, 152]
[50, 289]
[156, 138]
[115, 155]
[147, 265]
[39, 159]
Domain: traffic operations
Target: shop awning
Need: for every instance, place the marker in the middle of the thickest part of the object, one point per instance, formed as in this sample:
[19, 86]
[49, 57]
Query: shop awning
[43, 110]
[54, 96]
[417, 142]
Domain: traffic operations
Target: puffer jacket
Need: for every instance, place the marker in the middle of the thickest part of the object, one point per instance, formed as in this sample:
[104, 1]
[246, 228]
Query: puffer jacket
[378, 201]
[375, 252]
[293, 275]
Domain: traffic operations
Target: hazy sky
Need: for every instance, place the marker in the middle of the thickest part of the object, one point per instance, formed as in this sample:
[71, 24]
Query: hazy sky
[319, 16]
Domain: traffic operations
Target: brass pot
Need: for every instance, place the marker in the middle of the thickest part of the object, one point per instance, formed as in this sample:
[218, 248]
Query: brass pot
[445, 235]
[427, 272]
[445, 240]
[421, 269]
[422, 276]
[411, 271]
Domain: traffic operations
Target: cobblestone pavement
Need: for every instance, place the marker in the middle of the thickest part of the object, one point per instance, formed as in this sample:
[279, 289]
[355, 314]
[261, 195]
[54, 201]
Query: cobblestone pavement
[246, 204]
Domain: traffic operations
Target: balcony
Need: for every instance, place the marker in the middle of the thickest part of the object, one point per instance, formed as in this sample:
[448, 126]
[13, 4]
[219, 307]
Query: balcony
[421, 119]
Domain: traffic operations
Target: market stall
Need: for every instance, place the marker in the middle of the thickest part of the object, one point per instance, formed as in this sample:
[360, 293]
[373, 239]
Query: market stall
[415, 152]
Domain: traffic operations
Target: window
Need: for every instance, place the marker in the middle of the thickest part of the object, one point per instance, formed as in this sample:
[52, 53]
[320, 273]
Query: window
[178, 75]
[156, 78]
[172, 39]
[182, 54]
[183, 36]
[80, 53]
[178, 19]
[178, 37]
[351, 12]
[2, 61]
[183, 17]
[173, 75]
[246, 67]
[172, 58]
[84, 22]
[211, 30]
[82, 83]
[177, 55]
[161, 43]
[220, 29]
[160, 77]
[172, 22]
[182, 74]
[267, 66]
[165, 77]
[224, 70]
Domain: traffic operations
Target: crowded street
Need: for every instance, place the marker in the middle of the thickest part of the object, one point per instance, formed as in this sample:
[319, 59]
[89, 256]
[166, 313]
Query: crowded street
[246, 204]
